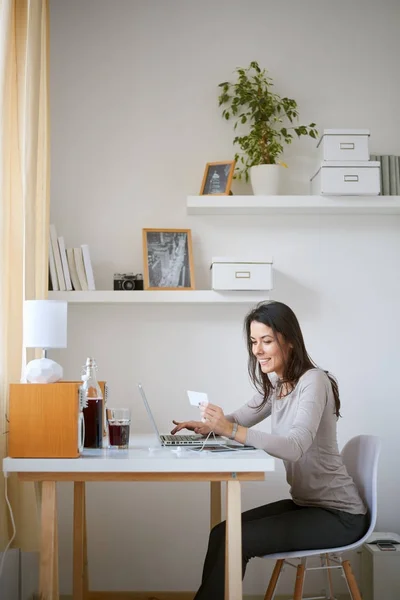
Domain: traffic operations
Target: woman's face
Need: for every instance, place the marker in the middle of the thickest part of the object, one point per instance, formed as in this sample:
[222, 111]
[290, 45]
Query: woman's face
[270, 351]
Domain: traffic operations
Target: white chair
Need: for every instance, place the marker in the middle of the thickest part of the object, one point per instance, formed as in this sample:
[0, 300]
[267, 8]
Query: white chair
[360, 455]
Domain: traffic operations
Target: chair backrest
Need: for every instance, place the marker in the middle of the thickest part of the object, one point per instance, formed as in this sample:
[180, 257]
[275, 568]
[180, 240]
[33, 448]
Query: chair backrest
[361, 455]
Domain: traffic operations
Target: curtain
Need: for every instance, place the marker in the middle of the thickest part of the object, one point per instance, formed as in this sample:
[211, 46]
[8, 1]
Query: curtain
[24, 212]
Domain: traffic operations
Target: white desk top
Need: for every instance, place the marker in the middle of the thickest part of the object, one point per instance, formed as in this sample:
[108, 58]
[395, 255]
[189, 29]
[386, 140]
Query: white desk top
[144, 456]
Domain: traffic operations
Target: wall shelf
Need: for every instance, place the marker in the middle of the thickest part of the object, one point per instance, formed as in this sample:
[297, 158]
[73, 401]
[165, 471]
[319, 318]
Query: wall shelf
[318, 205]
[160, 297]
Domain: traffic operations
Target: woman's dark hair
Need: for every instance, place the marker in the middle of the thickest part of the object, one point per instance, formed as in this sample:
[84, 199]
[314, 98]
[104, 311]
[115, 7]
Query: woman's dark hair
[281, 319]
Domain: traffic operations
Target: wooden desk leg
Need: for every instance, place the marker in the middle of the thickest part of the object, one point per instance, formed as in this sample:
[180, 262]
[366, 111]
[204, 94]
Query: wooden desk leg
[80, 583]
[38, 496]
[215, 503]
[85, 556]
[55, 558]
[48, 579]
[233, 552]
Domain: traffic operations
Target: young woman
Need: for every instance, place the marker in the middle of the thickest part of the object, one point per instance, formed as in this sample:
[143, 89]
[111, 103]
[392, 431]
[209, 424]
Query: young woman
[302, 400]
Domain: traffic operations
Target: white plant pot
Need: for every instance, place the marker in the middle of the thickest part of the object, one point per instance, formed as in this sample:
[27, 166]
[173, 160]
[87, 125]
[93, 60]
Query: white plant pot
[265, 179]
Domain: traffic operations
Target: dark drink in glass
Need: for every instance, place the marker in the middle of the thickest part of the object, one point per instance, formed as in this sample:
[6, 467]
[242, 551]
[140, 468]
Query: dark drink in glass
[119, 420]
[119, 435]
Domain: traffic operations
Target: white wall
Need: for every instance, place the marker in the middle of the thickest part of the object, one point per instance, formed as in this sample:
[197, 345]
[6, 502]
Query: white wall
[134, 120]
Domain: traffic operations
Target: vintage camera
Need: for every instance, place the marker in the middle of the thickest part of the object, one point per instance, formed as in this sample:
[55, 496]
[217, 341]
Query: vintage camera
[128, 281]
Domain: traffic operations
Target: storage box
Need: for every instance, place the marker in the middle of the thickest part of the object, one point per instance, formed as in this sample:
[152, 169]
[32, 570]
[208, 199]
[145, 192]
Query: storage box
[380, 569]
[352, 179]
[235, 274]
[344, 144]
[46, 420]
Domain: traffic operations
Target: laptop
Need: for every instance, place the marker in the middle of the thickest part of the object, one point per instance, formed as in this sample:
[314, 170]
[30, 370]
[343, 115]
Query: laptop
[194, 440]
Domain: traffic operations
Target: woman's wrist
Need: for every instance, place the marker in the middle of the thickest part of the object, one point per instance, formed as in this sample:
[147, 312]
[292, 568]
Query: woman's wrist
[237, 432]
[233, 433]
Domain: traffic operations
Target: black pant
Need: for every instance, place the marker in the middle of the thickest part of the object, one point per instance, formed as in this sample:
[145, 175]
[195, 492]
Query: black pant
[278, 527]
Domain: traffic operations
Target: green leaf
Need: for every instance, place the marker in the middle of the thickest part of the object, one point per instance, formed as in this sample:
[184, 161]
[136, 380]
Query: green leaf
[227, 115]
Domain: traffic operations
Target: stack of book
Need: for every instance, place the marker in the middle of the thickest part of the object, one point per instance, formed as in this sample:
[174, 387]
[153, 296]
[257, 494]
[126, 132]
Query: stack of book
[390, 173]
[69, 268]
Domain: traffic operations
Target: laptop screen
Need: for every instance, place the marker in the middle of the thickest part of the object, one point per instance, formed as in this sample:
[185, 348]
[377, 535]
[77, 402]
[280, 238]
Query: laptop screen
[148, 409]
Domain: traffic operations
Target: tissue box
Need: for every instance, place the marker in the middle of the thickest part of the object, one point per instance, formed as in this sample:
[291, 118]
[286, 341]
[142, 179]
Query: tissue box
[236, 274]
[344, 144]
[350, 179]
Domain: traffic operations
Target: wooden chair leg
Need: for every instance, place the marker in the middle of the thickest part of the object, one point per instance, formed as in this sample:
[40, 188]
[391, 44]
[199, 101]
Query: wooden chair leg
[298, 588]
[273, 582]
[351, 581]
[328, 576]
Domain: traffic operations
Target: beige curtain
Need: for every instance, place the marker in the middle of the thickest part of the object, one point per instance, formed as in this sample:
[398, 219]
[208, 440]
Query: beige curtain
[24, 211]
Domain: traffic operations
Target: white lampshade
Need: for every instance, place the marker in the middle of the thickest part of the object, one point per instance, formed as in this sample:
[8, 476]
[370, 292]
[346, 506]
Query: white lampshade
[45, 324]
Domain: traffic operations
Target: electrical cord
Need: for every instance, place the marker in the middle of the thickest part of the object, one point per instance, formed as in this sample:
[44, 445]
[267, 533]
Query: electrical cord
[13, 525]
[226, 446]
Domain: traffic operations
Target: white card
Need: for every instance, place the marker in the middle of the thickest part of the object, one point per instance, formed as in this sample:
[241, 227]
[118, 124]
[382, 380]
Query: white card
[197, 398]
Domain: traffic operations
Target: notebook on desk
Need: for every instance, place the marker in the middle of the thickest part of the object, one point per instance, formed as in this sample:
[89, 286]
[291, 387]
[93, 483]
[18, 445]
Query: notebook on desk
[193, 440]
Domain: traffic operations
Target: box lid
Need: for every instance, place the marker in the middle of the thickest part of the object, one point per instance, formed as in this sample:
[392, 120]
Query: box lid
[346, 132]
[348, 164]
[245, 260]
[343, 132]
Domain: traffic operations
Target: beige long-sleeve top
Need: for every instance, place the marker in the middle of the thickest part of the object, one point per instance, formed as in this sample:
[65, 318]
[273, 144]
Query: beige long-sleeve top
[304, 435]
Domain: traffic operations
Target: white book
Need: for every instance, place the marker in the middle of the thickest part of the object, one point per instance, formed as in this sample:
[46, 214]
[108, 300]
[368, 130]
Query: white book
[52, 268]
[80, 268]
[72, 269]
[57, 258]
[88, 267]
[64, 262]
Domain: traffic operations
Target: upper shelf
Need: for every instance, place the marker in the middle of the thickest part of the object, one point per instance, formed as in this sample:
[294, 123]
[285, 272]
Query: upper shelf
[159, 296]
[322, 205]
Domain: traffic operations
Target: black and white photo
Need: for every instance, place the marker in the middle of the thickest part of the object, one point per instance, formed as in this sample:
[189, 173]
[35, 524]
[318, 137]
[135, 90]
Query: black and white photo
[217, 178]
[168, 261]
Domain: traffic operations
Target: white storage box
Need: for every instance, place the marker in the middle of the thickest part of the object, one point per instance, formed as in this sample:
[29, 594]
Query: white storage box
[236, 274]
[353, 179]
[344, 144]
[380, 569]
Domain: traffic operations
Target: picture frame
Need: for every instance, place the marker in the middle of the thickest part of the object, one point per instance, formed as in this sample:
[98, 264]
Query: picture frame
[168, 259]
[217, 178]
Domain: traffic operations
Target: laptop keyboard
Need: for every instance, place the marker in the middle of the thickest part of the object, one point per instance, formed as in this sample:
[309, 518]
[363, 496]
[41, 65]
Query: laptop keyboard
[181, 438]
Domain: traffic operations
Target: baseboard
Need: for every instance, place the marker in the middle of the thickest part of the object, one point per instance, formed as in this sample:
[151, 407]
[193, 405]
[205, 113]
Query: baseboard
[154, 596]
[166, 596]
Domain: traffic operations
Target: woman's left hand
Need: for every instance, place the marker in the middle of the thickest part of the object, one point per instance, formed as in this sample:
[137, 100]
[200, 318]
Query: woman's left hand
[215, 419]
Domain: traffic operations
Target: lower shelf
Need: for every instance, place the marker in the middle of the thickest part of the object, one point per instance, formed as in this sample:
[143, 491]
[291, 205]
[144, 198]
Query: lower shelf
[159, 297]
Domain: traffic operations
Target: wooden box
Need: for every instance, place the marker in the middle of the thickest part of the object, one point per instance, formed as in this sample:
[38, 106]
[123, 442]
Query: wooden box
[45, 420]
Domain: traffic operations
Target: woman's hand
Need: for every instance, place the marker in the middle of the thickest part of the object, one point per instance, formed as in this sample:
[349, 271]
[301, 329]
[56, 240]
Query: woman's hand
[215, 419]
[196, 426]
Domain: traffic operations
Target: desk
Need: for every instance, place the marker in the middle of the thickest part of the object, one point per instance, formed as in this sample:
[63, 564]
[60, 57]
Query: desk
[142, 462]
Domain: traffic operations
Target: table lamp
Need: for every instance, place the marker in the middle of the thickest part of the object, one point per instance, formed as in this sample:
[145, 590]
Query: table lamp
[44, 326]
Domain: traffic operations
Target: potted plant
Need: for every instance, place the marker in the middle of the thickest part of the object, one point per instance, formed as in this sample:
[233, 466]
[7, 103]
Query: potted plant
[269, 120]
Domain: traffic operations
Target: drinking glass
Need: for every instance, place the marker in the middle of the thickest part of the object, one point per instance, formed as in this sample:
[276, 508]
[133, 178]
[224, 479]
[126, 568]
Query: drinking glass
[119, 420]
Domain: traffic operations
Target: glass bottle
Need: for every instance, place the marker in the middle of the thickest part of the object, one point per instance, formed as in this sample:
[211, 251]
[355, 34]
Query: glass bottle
[92, 403]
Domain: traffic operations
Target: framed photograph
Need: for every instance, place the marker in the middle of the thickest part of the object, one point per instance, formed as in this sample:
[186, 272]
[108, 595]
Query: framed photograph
[168, 259]
[217, 178]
